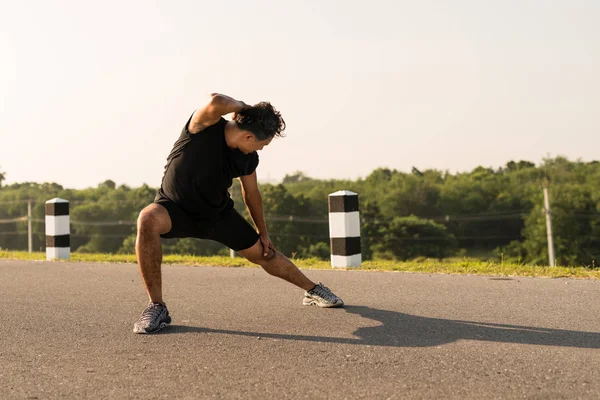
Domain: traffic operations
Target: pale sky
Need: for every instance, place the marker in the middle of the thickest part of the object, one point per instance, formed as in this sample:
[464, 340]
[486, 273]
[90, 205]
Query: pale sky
[91, 91]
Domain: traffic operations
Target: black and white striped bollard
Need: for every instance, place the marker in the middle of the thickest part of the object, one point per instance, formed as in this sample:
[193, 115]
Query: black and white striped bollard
[58, 233]
[344, 229]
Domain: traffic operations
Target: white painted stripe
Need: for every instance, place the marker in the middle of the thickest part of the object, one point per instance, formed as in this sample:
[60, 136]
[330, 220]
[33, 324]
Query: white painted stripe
[344, 193]
[57, 225]
[62, 253]
[346, 261]
[343, 225]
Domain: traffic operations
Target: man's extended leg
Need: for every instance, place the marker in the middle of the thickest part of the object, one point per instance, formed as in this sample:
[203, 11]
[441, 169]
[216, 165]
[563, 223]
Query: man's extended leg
[152, 221]
[278, 265]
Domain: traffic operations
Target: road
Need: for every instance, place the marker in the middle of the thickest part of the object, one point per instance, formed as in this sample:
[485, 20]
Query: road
[66, 332]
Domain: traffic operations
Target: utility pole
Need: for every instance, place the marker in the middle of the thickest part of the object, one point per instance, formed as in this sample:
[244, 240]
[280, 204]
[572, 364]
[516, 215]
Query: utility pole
[29, 230]
[548, 226]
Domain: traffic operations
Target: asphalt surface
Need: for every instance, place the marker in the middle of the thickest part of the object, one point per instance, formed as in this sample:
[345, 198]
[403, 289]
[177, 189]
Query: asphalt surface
[66, 332]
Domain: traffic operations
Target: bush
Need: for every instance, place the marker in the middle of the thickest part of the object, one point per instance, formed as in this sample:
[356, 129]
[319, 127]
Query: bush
[409, 237]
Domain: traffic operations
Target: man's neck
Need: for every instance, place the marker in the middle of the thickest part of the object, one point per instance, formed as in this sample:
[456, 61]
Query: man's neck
[231, 135]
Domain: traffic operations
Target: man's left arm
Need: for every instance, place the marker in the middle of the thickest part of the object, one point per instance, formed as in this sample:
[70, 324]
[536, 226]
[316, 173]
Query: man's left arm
[253, 200]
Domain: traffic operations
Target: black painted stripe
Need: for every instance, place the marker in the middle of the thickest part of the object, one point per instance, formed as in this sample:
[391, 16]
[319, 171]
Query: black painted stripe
[343, 203]
[57, 209]
[58, 241]
[345, 246]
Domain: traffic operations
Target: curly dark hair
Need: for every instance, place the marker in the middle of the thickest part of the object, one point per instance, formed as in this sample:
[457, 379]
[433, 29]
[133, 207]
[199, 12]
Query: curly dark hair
[262, 119]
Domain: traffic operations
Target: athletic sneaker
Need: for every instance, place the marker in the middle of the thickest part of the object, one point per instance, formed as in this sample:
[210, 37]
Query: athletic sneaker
[321, 296]
[154, 318]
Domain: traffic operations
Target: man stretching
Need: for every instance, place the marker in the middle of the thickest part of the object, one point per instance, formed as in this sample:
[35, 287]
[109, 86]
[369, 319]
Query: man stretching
[194, 201]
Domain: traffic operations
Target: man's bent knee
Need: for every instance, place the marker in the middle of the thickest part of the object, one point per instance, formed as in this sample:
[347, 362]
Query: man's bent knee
[270, 255]
[256, 255]
[154, 218]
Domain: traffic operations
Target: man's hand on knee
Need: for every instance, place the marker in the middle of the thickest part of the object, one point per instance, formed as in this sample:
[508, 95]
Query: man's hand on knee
[271, 254]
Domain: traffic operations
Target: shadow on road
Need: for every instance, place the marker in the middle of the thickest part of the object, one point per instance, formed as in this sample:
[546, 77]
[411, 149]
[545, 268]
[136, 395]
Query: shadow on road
[405, 330]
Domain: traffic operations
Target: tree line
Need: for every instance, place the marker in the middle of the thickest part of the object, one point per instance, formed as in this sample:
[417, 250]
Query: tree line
[484, 213]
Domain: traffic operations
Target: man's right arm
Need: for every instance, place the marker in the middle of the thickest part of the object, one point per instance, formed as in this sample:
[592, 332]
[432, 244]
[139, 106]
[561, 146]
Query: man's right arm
[218, 105]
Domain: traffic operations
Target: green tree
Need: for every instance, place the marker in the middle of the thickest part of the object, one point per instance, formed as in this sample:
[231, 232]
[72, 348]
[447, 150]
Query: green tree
[281, 207]
[575, 227]
[373, 227]
[481, 210]
[108, 184]
[296, 177]
[410, 237]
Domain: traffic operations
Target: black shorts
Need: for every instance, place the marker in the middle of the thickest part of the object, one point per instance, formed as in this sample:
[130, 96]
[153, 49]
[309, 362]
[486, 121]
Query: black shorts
[231, 229]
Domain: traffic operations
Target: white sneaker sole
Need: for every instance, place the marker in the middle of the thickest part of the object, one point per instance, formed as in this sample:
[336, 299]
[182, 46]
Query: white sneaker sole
[144, 332]
[313, 302]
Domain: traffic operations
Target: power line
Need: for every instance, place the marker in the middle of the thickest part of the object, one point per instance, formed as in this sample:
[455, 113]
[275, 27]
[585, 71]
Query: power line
[102, 235]
[12, 220]
[313, 220]
[13, 233]
[103, 223]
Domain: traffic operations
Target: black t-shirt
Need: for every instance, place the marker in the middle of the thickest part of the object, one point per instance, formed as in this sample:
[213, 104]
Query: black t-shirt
[200, 169]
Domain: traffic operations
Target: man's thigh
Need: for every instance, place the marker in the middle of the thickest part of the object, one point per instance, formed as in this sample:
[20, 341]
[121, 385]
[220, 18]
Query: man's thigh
[232, 230]
[182, 224]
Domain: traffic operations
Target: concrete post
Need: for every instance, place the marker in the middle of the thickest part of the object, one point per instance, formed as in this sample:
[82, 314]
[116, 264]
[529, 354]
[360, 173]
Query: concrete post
[344, 229]
[29, 229]
[58, 232]
[551, 260]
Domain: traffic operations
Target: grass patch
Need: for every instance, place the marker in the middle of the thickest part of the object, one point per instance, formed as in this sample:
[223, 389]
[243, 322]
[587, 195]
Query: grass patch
[429, 266]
